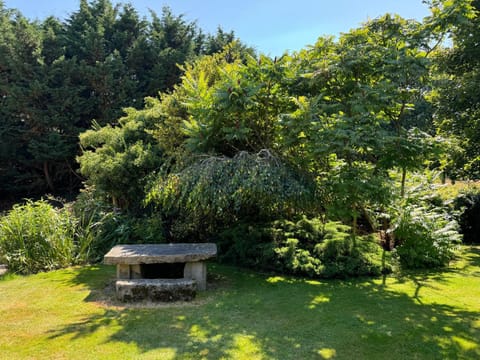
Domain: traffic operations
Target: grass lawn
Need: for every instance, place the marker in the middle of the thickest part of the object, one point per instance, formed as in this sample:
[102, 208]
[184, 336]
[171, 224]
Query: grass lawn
[68, 314]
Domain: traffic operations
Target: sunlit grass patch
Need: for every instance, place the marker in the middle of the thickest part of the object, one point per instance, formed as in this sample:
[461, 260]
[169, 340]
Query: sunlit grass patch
[70, 314]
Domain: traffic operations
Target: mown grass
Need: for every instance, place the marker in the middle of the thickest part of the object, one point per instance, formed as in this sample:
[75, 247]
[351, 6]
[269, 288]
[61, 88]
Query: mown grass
[69, 314]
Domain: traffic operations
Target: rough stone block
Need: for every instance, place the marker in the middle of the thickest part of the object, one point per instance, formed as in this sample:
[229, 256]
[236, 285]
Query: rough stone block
[3, 269]
[123, 271]
[136, 271]
[165, 290]
[152, 271]
[198, 272]
[160, 253]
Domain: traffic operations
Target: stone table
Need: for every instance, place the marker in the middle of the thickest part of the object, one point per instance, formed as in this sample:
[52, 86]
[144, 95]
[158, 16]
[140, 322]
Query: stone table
[143, 270]
[3, 269]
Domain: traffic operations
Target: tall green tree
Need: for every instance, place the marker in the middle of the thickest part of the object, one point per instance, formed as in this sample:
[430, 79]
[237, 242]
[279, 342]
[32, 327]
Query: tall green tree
[56, 77]
[216, 43]
[224, 117]
[351, 124]
[10, 126]
[22, 89]
[458, 100]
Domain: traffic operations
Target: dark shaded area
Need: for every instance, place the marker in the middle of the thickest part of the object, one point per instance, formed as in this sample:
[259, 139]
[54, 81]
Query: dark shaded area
[162, 271]
[469, 219]
[474, 257]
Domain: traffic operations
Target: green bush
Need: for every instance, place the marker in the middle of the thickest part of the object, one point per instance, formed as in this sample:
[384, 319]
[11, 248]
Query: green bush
[306, 247]
[295, 244]
[426, 238]
[216, 192]
[297, 260]
[118, 160]
[103, 226]
[37, 237]
[347, 257]
[98, 222]
[335, 255]
[248, 245]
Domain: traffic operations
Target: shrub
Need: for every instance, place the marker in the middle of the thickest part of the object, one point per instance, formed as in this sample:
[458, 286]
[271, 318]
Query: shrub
[297, 260]
[346, 257]
[306, 247]
[296, 244]
[103, 226]
[248, 245]
[118, 160]
[426, 238]
[37, 237]
[217, 192]
[336, 254]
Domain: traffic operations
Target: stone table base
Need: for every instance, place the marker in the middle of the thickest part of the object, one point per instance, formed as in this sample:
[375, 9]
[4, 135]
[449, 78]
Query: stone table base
[3, 269]
[156, 289]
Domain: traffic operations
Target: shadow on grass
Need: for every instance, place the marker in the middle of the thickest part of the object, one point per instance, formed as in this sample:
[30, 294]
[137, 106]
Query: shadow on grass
[287, 318]
[473, 256]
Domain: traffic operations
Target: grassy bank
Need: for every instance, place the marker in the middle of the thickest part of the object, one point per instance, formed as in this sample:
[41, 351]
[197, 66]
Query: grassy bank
[70, 314]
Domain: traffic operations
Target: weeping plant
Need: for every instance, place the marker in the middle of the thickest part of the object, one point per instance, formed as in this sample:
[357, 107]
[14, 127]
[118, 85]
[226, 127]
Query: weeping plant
[220, 189]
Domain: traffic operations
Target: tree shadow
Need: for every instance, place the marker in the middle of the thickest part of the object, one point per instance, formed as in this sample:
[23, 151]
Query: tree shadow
[287, 318]
[473, 256]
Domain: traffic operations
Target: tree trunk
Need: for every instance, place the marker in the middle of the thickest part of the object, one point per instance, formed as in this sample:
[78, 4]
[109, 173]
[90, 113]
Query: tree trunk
[354, 229]
[48, 177]
[404, 177]
[371, 222]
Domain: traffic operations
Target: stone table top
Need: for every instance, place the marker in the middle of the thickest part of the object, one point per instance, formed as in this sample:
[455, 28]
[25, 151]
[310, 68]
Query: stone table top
[160, 253]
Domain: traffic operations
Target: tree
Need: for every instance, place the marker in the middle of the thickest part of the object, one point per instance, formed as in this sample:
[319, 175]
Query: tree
[117, 160]
[172, 42]
[56, 77]
[458, 100]
[223, 168]
[216, 43]
[234, 106]
[216, 192]
[343, 112]
[356, 96]
[21, 90]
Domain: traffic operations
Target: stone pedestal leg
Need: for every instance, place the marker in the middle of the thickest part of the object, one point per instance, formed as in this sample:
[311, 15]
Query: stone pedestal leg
[198, 272]
[123, 271]
[135, 272]
[127, 271]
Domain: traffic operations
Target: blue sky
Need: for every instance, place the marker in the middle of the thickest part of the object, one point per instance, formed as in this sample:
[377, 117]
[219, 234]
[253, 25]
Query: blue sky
[270, 26]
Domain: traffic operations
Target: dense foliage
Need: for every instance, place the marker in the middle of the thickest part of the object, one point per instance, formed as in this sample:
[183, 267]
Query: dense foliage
[332, 130]
[102, 226]
[37, 237]
[215, 192]
[306, 247]
[302, 163]
[117, 159]
[458, 111]
[426, 238]
[56, 76]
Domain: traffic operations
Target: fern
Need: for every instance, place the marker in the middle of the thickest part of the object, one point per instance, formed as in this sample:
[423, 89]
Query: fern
[427, 238]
